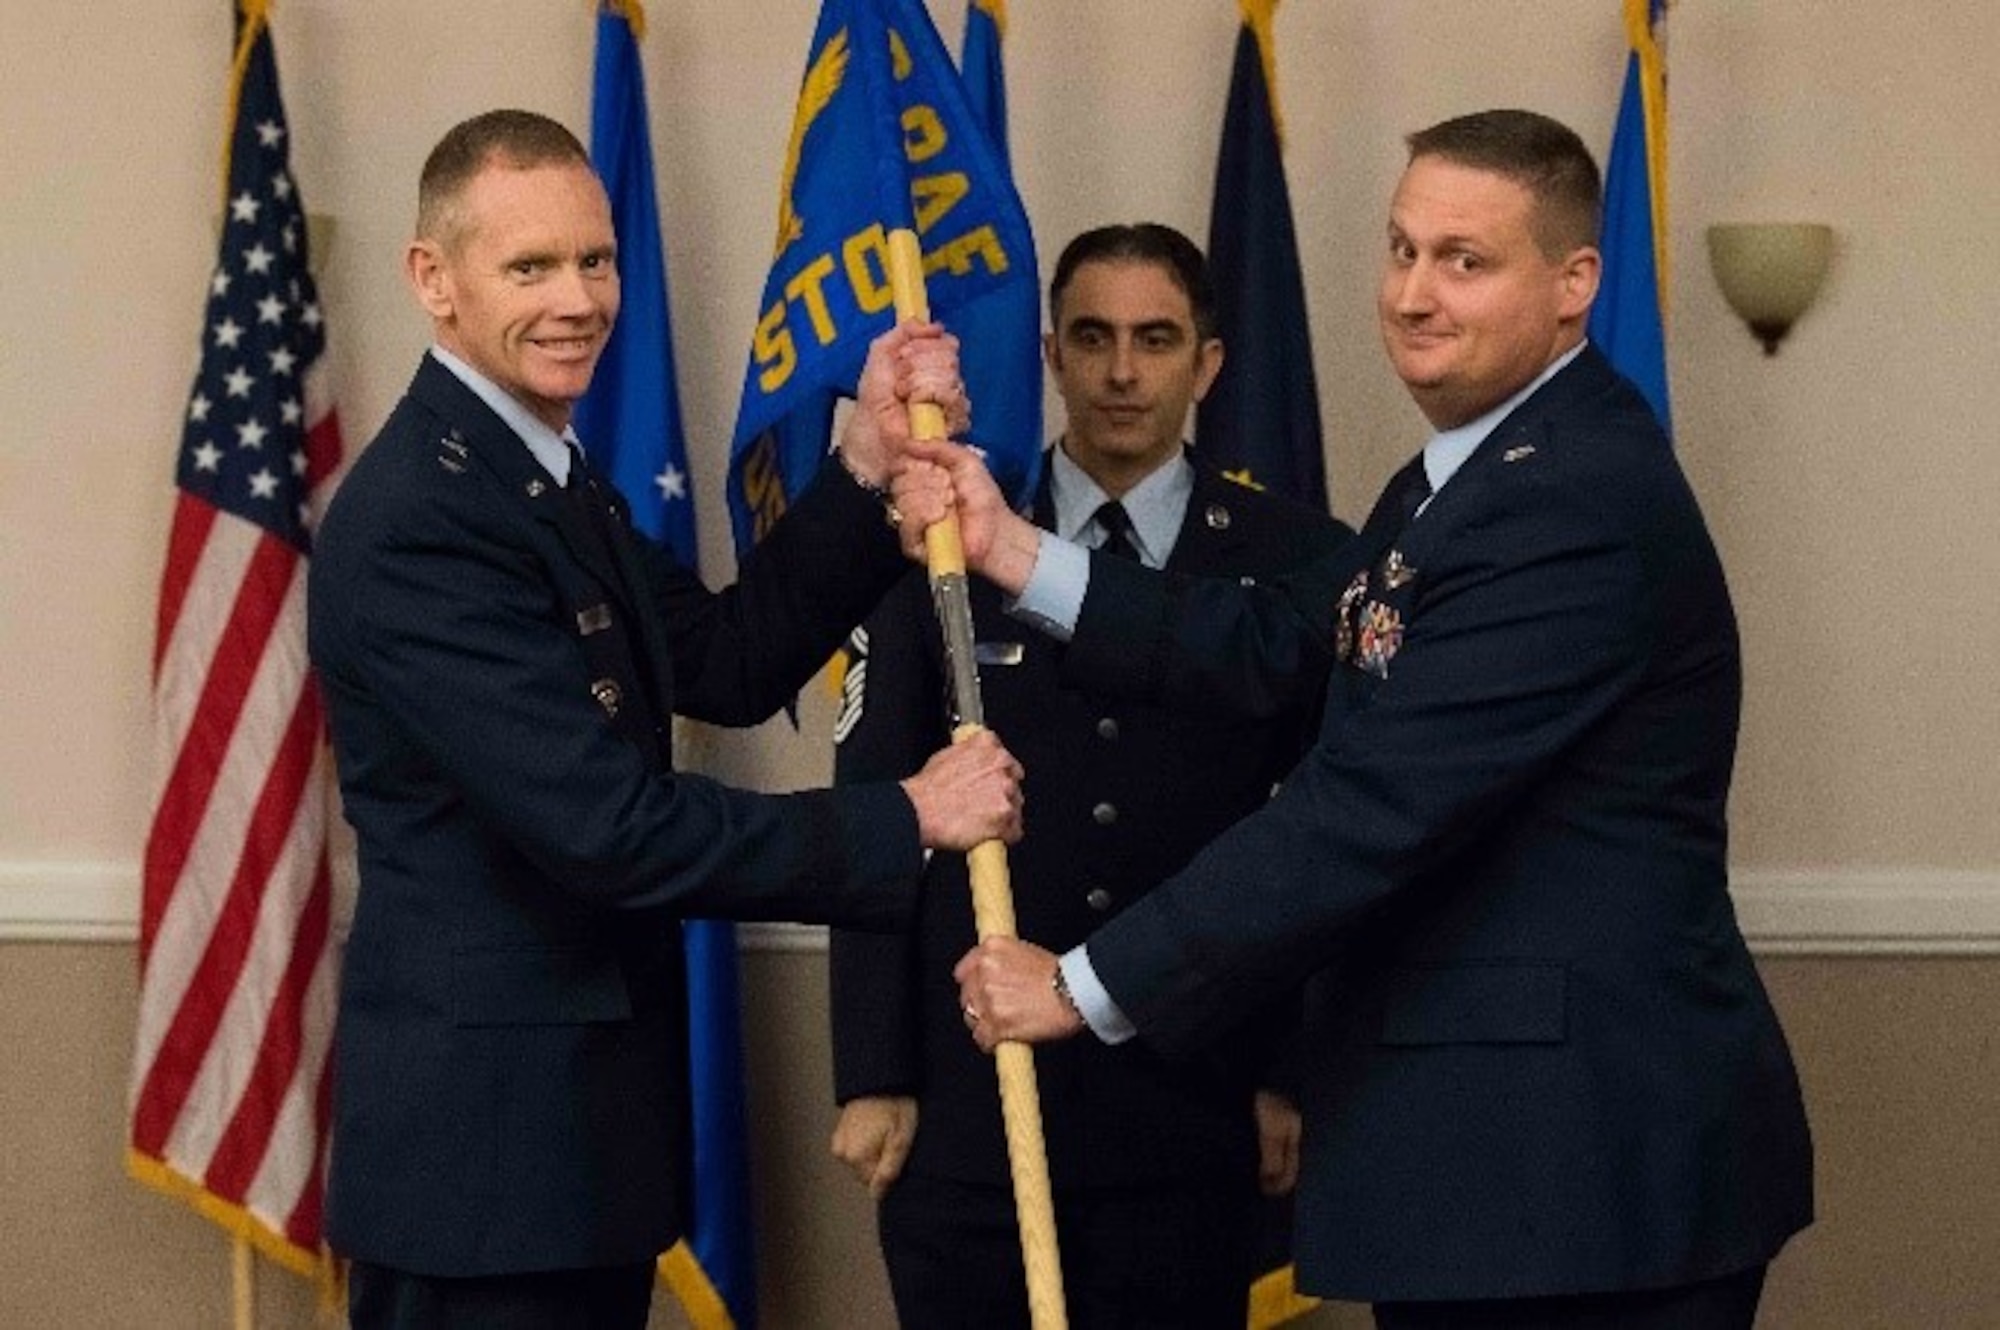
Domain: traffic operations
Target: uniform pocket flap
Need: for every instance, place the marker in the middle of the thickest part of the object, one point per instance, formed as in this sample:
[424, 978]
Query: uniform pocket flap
[1503, 1003]
[537, 986]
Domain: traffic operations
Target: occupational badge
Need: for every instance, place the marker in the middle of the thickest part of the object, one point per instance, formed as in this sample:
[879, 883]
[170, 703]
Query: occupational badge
[1395, 572]
[1378, 638]
[1343, 616]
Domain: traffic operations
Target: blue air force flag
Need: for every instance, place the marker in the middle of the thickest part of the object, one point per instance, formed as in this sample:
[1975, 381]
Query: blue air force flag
[882, 138]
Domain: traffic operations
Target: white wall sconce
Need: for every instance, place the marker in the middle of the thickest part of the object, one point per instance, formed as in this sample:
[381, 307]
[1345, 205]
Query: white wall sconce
[1769, 272]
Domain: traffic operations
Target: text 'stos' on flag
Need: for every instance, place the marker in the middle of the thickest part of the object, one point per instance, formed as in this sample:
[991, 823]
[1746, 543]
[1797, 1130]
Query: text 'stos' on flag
[1628, 319]
[1260, 421]
[882, 138]
[229, 1085]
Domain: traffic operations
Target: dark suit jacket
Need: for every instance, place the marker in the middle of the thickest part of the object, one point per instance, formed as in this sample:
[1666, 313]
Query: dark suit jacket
[1119, 796]
[1537, 1058]
[511, 1048]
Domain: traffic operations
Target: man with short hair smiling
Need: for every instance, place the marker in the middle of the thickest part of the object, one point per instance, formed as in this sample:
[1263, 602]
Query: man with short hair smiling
[1542, 1084]
[501, 657]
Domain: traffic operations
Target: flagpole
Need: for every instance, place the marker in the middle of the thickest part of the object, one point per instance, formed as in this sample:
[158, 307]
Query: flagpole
[992, 893]
[243, 1269]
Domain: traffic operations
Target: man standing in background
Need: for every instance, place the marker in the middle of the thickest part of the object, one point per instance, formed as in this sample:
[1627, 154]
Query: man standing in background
[1155, 1167]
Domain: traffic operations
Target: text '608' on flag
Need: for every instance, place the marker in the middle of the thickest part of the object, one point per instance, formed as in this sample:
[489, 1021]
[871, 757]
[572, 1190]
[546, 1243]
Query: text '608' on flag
[882, 138]
[1628, 320]
[237, 974]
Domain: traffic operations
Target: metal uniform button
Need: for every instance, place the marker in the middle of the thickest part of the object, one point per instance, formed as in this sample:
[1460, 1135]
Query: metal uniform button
[1107, 727]
[1104, 814]
[1097, 898]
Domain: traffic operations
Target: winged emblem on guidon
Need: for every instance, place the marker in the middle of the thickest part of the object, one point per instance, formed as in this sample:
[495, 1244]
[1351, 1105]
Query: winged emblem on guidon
[822, 81]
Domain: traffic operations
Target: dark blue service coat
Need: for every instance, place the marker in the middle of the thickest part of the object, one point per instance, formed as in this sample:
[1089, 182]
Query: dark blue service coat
[1120, 795]
[510, 1063]
[1537, 1058]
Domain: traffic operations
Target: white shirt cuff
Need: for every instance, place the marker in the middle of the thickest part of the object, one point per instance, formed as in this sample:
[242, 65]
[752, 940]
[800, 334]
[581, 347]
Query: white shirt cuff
[1100, 1013]
[1053, 597]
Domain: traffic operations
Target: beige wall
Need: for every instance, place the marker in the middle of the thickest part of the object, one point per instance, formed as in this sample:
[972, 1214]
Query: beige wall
[1840, 478]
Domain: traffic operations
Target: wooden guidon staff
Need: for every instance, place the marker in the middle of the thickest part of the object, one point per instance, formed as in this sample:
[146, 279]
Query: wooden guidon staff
[992, 895]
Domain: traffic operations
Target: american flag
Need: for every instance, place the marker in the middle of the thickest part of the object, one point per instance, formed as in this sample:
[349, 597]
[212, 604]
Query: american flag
[237, 971]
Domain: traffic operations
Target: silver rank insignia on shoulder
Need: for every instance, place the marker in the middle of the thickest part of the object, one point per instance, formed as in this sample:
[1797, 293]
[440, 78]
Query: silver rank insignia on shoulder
[455, 452]
[537, 488]
[1217, 517]
[1517, 452]
[593, 619]
[1395, 572]
[452, 464]
[608, 695]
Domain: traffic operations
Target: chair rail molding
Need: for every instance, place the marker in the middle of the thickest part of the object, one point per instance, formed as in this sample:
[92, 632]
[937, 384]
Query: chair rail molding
[1784, 912]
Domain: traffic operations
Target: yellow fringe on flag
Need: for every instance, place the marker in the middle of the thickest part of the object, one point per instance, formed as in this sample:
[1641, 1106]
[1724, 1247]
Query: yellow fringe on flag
[703, 1305]
[1274, 1299]
[997, 11]
[256, 14]
[319, 1266]
[634, 14]
[1261, 15]
[1646, 44]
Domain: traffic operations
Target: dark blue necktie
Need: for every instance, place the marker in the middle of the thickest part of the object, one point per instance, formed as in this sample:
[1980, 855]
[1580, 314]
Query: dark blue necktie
[588, 498]
[1404, 494]
[1117, 524]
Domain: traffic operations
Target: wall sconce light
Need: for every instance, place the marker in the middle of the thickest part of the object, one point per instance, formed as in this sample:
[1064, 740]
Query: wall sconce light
[1769, 272]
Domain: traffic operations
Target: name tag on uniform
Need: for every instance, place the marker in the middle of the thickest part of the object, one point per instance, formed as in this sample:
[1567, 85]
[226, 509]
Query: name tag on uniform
[998, 653]
[593, 619]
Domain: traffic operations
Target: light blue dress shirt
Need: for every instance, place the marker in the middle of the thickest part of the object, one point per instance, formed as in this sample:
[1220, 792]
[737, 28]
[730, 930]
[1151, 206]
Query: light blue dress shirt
[550, 448]
[1156, 506]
